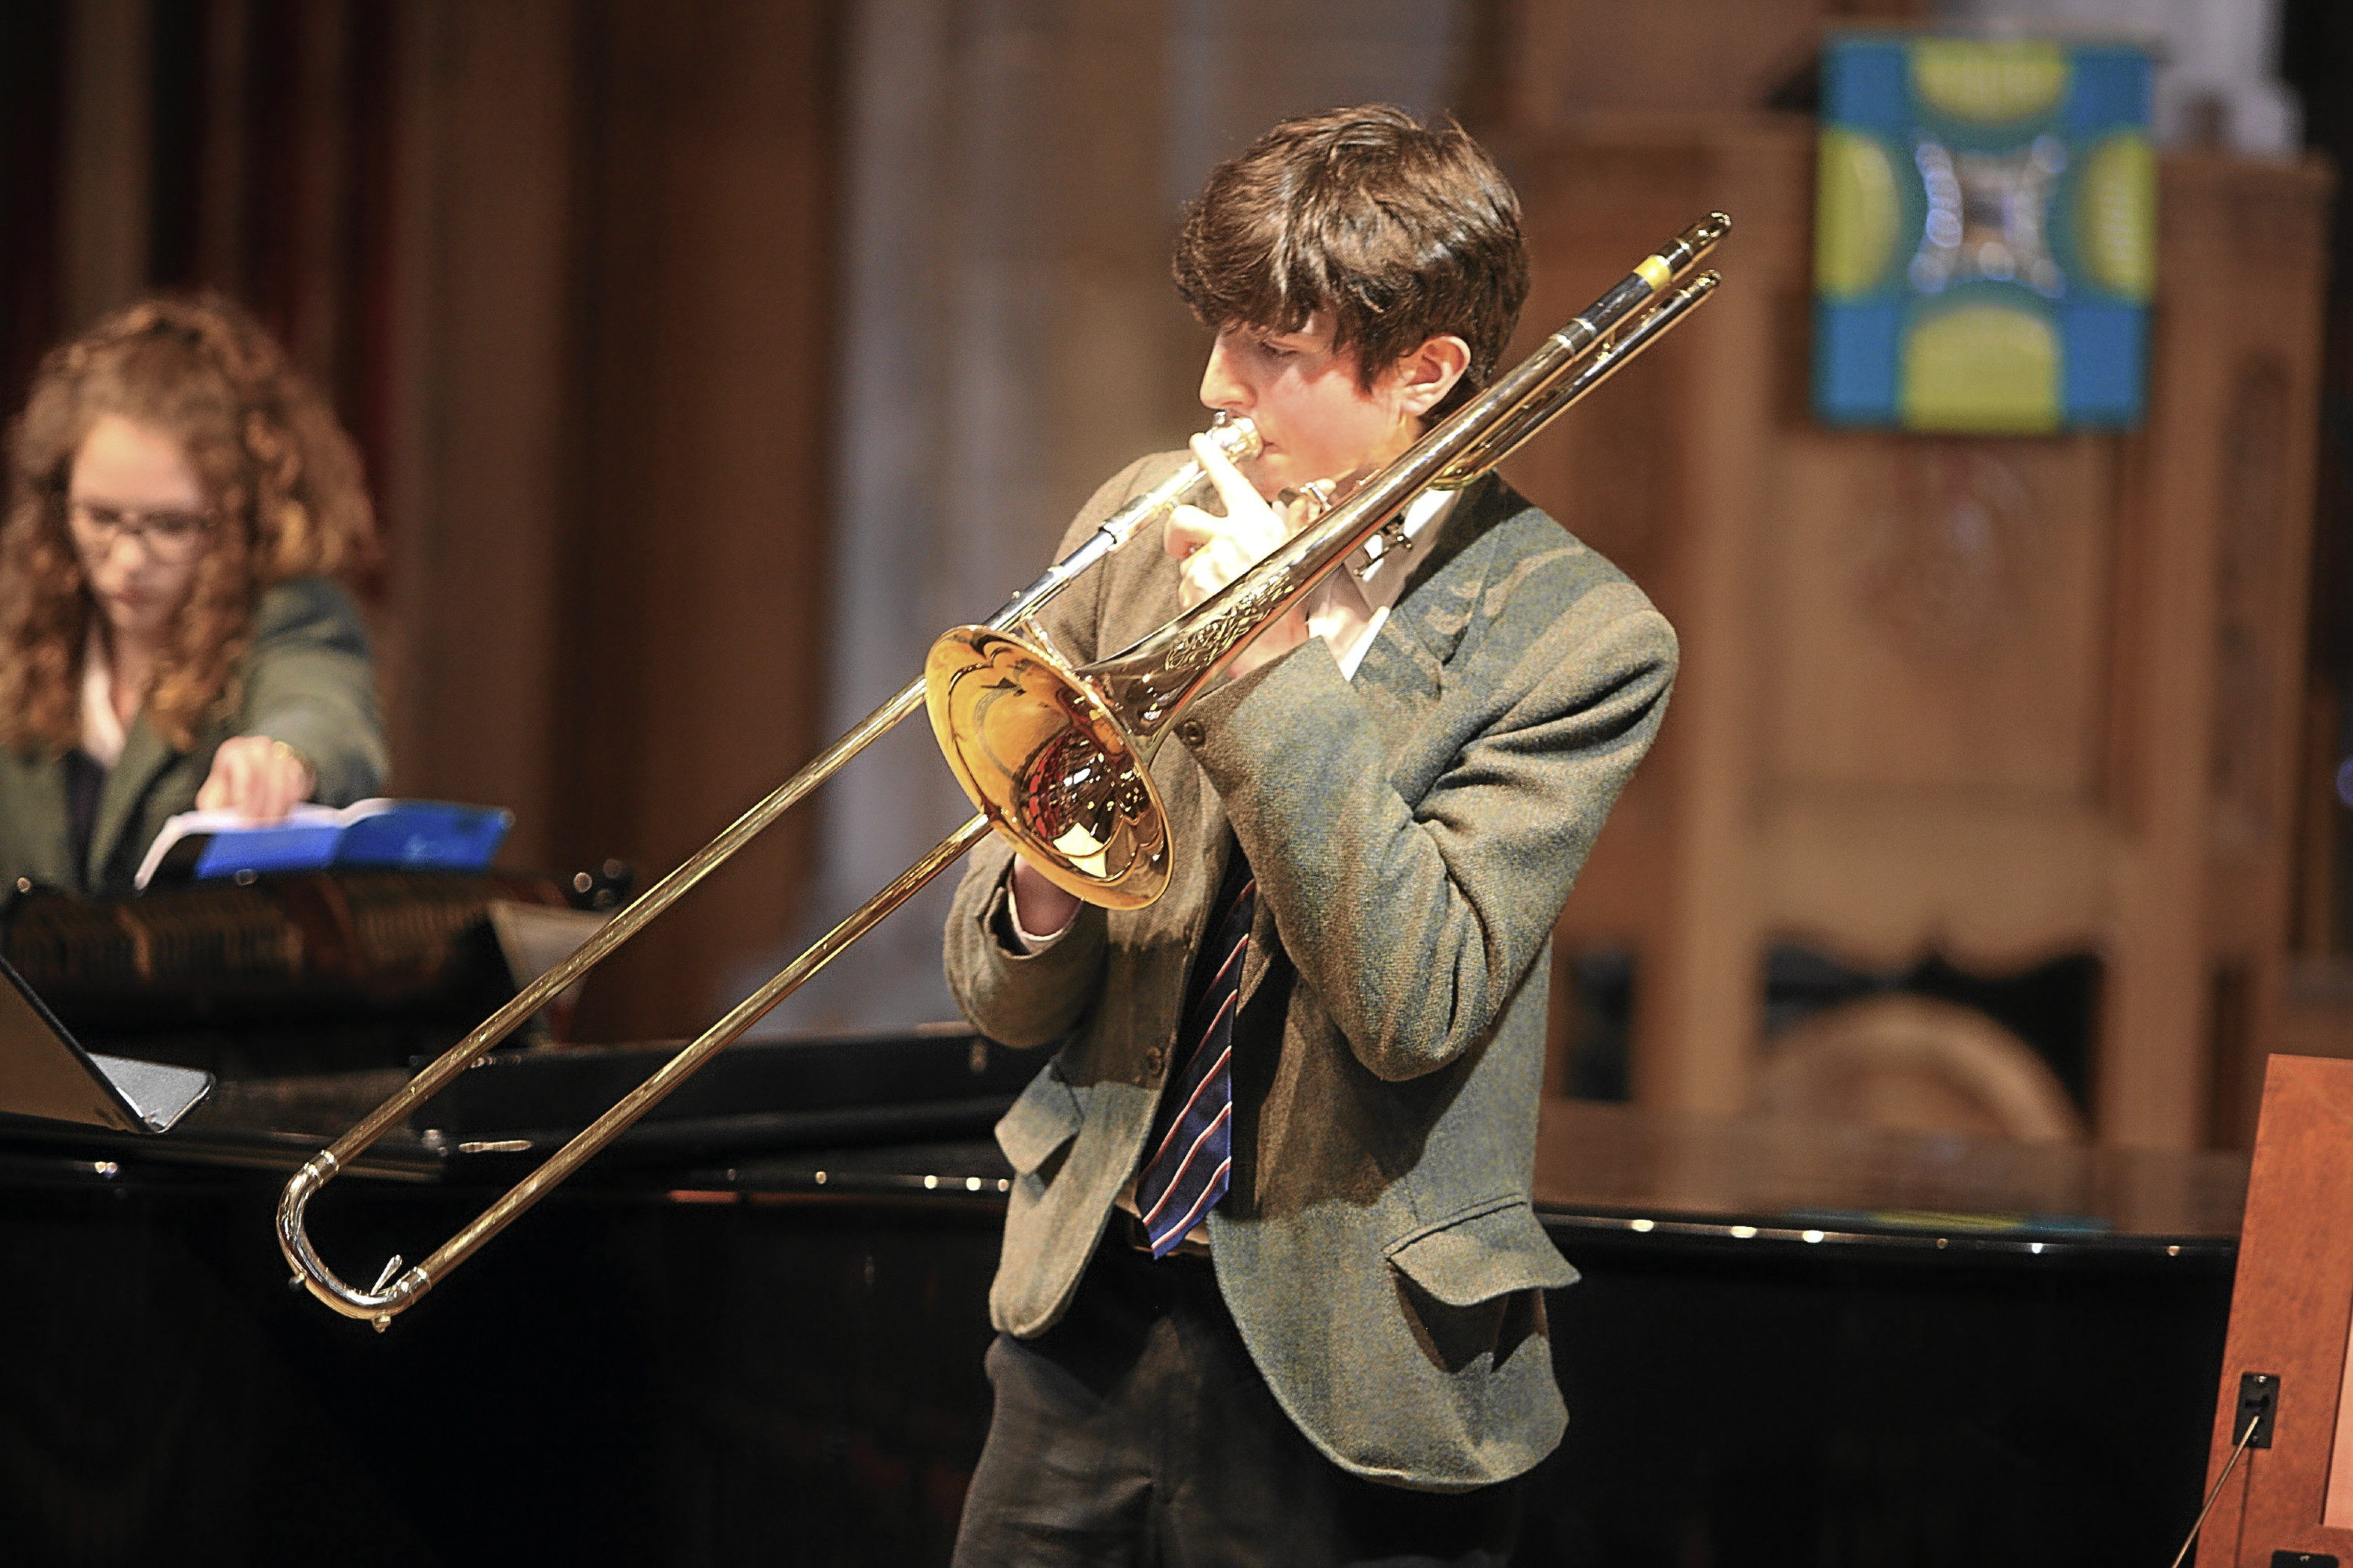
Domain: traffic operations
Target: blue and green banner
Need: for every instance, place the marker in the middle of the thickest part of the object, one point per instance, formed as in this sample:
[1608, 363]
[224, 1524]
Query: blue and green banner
[1985, 234]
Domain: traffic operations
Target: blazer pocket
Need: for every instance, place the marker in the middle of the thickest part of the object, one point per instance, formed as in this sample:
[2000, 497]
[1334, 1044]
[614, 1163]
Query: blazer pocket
[1044, 1119]
[1488, 1250]
[1471, 1286]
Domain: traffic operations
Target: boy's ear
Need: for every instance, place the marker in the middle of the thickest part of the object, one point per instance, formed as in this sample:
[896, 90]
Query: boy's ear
[1428, 374]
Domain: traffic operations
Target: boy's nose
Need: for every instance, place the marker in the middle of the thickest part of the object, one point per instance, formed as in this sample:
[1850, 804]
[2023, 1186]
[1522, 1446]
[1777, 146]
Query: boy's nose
[1220, 388]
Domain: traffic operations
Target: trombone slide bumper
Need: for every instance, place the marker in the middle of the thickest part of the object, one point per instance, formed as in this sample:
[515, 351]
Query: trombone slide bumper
[375, 1306]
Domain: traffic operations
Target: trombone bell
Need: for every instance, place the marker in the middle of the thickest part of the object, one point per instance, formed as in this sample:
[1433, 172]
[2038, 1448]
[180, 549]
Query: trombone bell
[1049, 765]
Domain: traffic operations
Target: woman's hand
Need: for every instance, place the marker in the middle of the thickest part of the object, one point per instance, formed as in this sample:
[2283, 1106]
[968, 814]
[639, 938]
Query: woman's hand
[1211, 551]
[258, 776]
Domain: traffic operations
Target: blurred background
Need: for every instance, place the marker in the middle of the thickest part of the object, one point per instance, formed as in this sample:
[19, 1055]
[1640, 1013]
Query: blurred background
[709, 356]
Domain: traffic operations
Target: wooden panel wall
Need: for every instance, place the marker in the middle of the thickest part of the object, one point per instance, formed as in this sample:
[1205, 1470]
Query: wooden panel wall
[692, 666]
[618, 330]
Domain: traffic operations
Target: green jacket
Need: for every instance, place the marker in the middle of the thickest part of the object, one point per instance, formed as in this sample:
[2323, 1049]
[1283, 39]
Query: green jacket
[1414, 835]
[307, 681]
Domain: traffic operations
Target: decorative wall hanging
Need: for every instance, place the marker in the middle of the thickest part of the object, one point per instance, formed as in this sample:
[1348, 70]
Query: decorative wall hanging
[1985, 234]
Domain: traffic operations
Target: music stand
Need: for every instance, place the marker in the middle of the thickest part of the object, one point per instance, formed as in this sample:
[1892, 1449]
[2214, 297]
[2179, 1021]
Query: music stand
[45, 1073]
[2290, 1500]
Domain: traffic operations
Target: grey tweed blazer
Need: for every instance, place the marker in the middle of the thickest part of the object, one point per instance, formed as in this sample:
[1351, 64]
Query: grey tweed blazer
[1414, 833]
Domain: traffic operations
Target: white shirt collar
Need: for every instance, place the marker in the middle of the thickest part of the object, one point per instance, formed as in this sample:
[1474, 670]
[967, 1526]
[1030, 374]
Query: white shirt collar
[1380, 567]
[101, 728]
[1350, 606]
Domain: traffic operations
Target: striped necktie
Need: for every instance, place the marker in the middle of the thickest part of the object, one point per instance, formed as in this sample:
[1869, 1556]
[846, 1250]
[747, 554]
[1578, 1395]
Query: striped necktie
[1192, 1148]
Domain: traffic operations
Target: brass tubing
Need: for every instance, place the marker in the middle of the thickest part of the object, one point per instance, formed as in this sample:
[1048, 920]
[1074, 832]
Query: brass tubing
[1498, 445]
[1240, 439]
[378, 1304]
[1237, 438]
[437, 1075]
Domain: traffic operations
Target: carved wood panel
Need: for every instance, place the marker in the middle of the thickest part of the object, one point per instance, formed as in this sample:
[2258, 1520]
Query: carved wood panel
[1936, 615]
[2250, 573]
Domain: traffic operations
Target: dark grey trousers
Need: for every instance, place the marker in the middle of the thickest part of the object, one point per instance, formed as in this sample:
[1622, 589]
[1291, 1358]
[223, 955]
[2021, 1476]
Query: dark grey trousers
[1137, 1431]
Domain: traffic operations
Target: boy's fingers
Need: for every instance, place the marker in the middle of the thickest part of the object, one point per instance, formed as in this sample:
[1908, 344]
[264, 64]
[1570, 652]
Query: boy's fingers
[1222, 473]
[1189, 528]
[1246, 512]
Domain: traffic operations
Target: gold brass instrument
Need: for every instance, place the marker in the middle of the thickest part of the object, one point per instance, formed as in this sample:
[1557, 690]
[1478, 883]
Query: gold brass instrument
[1056, 759]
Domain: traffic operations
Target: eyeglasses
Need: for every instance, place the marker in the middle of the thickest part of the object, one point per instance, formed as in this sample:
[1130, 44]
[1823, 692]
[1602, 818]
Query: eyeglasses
[166, 535]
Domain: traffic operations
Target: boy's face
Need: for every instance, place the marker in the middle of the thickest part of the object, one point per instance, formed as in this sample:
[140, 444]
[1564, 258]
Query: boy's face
[1314, 418]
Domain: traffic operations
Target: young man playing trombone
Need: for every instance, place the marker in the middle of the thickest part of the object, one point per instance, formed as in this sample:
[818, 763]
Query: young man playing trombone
[1271, 1288]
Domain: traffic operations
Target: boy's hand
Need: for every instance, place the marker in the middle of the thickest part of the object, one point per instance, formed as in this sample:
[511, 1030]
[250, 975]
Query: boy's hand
[1041, 908]
[1211, 551]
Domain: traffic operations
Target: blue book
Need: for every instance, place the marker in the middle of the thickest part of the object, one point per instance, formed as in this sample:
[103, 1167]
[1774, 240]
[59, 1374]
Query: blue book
[415, 835]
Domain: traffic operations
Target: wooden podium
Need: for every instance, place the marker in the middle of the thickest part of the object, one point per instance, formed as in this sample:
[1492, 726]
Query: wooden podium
[2291, 1310]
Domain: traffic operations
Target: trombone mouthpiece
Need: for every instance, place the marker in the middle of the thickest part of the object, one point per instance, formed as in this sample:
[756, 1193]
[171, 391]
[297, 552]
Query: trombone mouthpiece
[1235, 435]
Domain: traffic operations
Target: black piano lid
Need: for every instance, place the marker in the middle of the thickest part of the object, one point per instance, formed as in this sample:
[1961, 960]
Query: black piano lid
[1775, 1180]
[932, 1082]
[909, 1113]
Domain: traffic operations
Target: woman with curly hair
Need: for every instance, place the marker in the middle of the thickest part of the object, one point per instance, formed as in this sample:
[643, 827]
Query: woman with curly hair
[171, 633]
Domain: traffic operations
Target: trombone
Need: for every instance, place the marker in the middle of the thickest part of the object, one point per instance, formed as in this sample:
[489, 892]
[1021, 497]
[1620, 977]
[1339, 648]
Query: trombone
[1057, 759]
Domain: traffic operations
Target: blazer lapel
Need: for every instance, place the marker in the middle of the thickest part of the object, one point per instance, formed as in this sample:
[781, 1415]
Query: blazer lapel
[144, 755]
[1404, 671]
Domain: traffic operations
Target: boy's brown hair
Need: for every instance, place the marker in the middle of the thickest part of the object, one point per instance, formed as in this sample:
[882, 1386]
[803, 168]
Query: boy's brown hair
[1403, 231]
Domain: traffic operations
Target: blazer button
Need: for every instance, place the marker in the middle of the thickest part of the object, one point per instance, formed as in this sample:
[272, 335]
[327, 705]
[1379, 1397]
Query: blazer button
[1191, 733]
[1153, 1058]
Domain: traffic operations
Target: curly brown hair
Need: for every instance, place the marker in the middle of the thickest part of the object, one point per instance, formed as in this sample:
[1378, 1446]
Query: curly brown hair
[1402, 231]
[282, 475]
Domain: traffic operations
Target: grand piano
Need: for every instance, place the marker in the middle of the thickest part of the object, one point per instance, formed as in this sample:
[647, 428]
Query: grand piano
[752, 1329]
[754, 1332]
